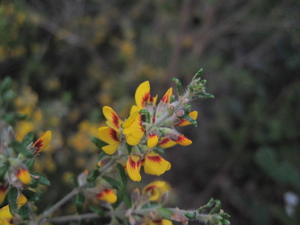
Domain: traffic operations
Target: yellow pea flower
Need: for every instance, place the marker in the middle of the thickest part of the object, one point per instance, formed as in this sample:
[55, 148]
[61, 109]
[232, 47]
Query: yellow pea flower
[21, 200]
[43, 142]
[183, 122]
[155, 190]
[142, 94]
[24, 176]
[167, 96]
[109, 136]
[107, 195]
[154, 164]
[133, 167]
[5, 216]
[152, 140]
[159, 222]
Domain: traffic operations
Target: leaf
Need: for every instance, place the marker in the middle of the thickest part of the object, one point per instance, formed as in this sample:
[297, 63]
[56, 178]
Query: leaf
[28, 139]
[113, 182]
[24, 212]
[122, 174]
[30, 163]
[165, 213]
[12, 199]
[178, 86]
[98, 142]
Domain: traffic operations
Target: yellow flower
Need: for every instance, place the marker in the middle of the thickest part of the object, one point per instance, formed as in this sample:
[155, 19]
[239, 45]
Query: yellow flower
[133, 129]
[109, 136]
[133, 167]
[167, 96]
[152, 140]
[24, 176]
[183, 122]
[5, 216]
[3, 192]
[107, 195]
[159, 222]
[154, 164]
[142, 94]
[43, 142]
[167, 142]
[155, 190]
[21, 200]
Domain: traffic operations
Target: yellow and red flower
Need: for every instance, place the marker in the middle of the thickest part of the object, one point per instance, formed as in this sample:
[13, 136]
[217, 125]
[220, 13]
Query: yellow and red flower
[167, 142]
[183, 122]
[6, 218]
[153, 164]
[107, 195]
[43, 142]
[133, 167]
[155, 190]
[158, 222]
[24, 176]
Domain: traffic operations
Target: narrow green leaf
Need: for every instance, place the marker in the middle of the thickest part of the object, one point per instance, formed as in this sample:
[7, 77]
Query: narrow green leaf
[12, 199]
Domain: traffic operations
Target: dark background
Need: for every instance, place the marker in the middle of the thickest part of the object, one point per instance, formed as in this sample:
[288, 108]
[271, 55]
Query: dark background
[77, 56]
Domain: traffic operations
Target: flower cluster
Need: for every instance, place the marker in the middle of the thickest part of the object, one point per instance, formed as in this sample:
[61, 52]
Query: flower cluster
[16, 176]
[148, 130]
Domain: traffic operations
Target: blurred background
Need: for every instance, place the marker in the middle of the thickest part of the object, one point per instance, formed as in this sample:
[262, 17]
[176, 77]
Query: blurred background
[69, 58]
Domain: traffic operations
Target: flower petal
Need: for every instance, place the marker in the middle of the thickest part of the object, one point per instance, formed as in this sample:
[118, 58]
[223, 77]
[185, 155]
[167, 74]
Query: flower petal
[166, 143]
[110, 149]
[133, 167]
[21, 200]
[24, 176]
[142, 94]
[154, 164]
[5, 215]
[108, 135]
[43, 142]
[183, 141]
[107, 195]
[152, 140]
[155, 190]
[133, 129]
[167, 96]
[113, 120]
[184, 122]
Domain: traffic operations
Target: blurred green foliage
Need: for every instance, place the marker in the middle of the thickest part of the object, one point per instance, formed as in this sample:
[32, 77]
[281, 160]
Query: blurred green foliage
[79, 55]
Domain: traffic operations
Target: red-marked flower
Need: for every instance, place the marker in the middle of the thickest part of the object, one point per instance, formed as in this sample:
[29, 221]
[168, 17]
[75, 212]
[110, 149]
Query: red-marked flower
[3, 192]
[184, 122]
[24, 176]
[154, 164]
[167, 96]
[109, 136]
[166, 142]
[158, 222]
[43, 142]
[107, 195]
[155, 190]
[152, 140]
[112, 118]
[171, 140]
[133, 167]
[142, 95]
[133, 128]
